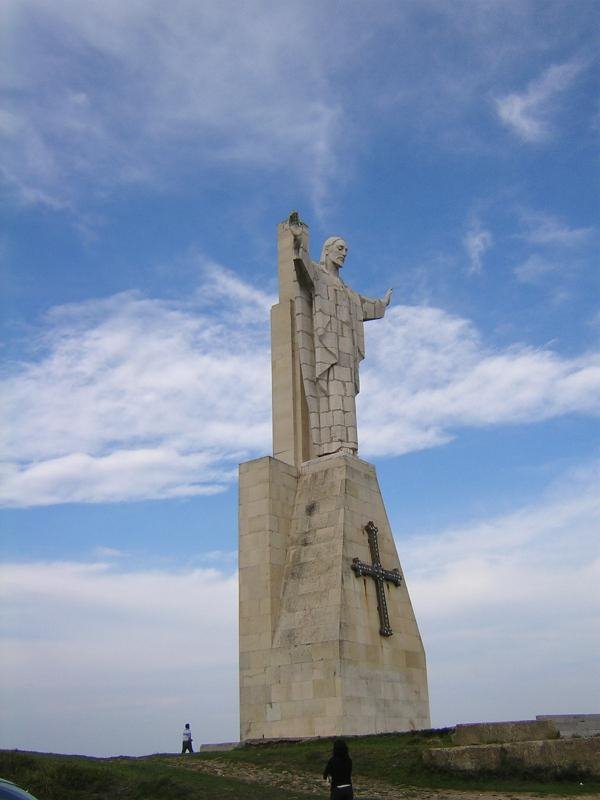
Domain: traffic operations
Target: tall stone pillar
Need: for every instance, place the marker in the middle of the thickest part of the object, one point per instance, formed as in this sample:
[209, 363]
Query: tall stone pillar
[291, 434]
[329, 644]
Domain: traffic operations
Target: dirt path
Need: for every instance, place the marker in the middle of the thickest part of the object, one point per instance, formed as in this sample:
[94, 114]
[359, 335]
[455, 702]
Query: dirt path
[364, 789]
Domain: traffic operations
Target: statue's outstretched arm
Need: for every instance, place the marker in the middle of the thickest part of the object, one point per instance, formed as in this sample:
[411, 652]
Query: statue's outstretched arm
[375, 309]
[302, 261]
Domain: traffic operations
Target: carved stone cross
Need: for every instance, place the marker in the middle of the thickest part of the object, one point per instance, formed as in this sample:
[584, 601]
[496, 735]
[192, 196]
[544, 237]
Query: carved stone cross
[379, 575]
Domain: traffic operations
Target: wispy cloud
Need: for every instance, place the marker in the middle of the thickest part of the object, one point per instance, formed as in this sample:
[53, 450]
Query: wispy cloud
[136, 398]
[559, 246]
[442, 377]
[68, 626]
[108, 552]
[159, 472]
[534, 269]
[545, 229]
[141, 92]
[477, 241]
[124, 92]
[528, 114]
[500, 596]
[131, 397]
[512, 595]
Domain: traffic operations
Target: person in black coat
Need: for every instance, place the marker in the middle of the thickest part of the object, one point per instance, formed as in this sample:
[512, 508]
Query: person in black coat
[339, 770]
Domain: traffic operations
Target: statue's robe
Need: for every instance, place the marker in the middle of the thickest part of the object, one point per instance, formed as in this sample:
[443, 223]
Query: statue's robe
[330, 333]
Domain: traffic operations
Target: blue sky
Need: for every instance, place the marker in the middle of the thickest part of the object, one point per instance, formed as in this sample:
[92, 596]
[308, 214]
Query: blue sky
[148, 152]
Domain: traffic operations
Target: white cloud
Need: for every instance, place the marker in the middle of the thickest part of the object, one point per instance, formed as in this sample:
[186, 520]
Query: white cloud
[108, 552]
[131, 398]
[534, 269]
[558, 243]
[545, 229]
[477, 241]
[136, 398]
[123, 92]
[91, 654]
[159, 472]
[428, 374]
[512, 601]
[528, 114]
[144, 92]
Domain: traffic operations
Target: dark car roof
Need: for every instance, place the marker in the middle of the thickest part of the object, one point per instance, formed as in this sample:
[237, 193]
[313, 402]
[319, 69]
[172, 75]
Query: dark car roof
[10, 791]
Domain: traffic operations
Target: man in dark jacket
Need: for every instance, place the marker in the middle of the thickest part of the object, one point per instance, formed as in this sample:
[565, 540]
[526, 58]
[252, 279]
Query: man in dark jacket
[339, 770]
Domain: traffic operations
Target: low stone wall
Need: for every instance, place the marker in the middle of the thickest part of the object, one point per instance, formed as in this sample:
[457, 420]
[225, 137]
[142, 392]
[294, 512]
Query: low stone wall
[577, 758]
[219, 747]
[574, 724]
[497, 732]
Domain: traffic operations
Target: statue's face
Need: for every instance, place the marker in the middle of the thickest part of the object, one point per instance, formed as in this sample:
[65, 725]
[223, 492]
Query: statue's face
[337, 253]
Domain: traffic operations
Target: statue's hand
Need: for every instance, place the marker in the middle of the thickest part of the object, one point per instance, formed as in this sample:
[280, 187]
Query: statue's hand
[295, 225]
[387, 297]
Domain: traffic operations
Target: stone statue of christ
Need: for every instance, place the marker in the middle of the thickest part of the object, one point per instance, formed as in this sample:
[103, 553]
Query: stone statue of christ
[329, 329]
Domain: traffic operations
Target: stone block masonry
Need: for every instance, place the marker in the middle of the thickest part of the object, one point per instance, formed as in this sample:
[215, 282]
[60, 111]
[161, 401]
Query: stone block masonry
[553, 758]
[312, 660]
[495, 732]
[582, 725]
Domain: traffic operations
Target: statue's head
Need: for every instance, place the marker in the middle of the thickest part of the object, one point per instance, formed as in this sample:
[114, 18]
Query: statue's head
[334, 252]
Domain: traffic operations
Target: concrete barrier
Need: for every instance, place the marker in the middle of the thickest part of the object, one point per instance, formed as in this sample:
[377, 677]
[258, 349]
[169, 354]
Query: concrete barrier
[497, 732]
[555, 758]
[574, 724]
[219, 747]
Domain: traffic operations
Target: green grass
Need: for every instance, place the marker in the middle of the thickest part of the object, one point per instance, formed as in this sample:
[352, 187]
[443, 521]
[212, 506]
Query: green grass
[54, 777]
[393, 759]
[396, 759]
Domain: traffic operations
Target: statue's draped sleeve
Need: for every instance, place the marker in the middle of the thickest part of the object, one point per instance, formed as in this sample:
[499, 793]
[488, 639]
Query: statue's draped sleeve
[372, 309]
[305, 269]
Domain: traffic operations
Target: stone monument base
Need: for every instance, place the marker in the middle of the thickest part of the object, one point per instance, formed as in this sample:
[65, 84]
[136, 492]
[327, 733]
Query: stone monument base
[312, 660]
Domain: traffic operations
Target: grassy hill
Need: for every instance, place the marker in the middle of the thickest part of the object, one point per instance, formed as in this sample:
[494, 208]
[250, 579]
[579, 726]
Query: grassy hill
[384, 767]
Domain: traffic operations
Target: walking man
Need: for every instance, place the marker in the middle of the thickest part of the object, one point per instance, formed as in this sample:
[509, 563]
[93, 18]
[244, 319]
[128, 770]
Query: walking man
[186, 745]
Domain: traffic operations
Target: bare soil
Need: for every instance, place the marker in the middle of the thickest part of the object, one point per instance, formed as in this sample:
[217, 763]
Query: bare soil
[364, 788]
